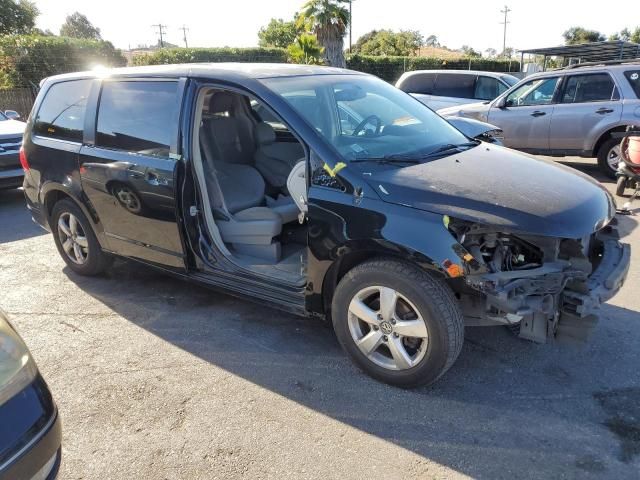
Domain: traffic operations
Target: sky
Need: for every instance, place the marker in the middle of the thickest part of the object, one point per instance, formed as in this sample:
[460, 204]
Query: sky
[235, 23]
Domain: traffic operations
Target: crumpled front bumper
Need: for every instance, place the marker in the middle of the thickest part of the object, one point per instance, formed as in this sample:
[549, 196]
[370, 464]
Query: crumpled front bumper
[580, 306]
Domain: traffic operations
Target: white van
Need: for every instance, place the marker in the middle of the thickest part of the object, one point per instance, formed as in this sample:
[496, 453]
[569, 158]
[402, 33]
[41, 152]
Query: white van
[448, 88]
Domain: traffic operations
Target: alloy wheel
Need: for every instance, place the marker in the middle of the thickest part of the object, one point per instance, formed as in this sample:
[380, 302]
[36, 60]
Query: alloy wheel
[72, 238]
[387, 328]
[613, 157]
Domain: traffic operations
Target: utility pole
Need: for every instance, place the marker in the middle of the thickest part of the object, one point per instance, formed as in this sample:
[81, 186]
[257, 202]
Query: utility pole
[184, 35]
[504, 36]
[161, 32]
[350, 23]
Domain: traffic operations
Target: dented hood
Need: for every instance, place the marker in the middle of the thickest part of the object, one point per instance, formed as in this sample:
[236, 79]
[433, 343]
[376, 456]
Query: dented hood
[497, 186]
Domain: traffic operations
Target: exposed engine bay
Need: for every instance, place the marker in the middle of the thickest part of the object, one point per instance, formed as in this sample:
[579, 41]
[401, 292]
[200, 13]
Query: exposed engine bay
[540, 286]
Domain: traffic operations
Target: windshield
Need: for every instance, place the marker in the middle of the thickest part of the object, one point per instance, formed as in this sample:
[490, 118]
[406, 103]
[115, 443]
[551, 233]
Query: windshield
[3, 117]
[364, 117]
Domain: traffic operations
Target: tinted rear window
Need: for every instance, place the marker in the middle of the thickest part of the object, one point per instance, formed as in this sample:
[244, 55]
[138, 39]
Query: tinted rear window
[419, 83]
[634, 79]
[61, 114]
[596, 87]
[137, 116]
[454, 85]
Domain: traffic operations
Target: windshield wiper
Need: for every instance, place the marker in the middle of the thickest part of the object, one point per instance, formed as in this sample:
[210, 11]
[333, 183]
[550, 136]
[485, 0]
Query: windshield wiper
[449, 146]
[387, 159]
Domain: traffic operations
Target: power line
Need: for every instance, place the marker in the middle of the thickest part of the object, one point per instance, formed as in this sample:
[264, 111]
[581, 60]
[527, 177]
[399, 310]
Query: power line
[161, 31]
[504, 36]
[184, 35]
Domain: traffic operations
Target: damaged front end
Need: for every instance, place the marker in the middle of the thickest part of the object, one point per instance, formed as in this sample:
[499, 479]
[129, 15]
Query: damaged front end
[540, 286]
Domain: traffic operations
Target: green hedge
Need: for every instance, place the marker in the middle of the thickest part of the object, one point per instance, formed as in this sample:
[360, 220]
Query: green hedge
[390, 68]
[27, 59]
[225, 54]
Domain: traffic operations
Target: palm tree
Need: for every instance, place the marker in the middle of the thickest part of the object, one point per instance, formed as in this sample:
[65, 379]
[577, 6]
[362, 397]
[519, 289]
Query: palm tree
[329, 20]
[306, 49]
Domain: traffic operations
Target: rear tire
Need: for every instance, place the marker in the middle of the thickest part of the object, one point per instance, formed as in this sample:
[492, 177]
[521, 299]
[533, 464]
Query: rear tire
[609, 150]
[621, 184]
[76, 241]
[416, 340]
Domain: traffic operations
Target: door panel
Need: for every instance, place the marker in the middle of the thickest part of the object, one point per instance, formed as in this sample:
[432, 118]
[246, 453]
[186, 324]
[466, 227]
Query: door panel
[526, 115]
[524, 127]
[129, 174]
[589, 104]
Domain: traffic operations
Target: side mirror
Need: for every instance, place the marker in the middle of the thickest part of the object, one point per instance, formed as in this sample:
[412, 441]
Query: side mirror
[502, 103]
[12, 114]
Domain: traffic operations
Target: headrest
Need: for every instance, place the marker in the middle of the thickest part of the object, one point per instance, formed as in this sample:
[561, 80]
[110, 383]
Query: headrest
[265, 134]
[221, 102]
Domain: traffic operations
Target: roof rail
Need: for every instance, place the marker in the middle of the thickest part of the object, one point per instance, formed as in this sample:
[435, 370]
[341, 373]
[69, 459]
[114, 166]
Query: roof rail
[606, 62]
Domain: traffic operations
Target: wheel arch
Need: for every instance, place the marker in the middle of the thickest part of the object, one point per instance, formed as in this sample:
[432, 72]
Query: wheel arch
[54, 194]
[349, 261]
[606, 136]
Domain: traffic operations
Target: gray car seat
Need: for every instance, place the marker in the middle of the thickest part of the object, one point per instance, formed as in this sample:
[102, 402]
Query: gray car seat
[275, 160]
[239, 192]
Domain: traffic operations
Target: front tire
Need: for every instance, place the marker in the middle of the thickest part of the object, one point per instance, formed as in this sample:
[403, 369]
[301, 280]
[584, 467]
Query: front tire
[398, 323]
[609, 156]
[75, 240]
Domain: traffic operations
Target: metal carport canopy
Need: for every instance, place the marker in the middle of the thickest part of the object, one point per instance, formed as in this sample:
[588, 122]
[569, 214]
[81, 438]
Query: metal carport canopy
[591, 52]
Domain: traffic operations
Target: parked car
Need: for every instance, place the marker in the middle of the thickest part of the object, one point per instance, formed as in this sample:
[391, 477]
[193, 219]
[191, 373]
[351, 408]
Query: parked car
[30, 432]
[400, 230]
[11, 174]
[572, 111]
[448, 88]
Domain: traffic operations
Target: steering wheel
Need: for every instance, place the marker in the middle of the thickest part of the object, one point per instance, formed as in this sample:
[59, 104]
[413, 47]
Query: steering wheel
[365, 122]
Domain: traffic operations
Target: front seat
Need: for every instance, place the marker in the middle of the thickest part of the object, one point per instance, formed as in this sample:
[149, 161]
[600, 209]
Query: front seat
[274, 160]
[230, 128]
[239, 192]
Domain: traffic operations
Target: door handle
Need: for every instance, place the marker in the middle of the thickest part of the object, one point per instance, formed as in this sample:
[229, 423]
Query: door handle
[603, 111]
[538, 113]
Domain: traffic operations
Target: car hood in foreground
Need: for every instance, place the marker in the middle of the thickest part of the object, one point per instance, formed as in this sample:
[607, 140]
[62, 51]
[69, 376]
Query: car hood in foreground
[497, 186]
[11, 128]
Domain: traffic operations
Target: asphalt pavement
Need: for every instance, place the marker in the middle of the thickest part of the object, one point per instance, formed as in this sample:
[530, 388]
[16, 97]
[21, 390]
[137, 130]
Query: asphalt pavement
[157, 378]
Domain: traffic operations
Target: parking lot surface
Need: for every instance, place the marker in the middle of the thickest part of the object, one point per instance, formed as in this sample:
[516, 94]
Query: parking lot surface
[158, 378]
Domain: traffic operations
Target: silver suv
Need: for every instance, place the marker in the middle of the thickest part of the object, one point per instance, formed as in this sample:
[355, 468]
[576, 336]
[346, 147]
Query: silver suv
[572, 111]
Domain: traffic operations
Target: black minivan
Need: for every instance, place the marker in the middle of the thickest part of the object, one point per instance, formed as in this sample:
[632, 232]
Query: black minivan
[323, 192]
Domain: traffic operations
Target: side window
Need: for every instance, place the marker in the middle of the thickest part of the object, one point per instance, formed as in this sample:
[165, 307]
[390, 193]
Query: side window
[634, 79]
[595, 87]
[264, 115]
[137, 116]
[419, 83]
[455, 85]
[61, 114]
[534, 92]
[488, 88]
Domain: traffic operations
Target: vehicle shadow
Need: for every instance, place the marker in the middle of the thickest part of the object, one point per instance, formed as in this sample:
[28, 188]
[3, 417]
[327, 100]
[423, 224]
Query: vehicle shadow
[15, 219]
[507, 408]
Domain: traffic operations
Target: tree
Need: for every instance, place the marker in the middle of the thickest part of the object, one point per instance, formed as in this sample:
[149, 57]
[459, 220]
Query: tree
[491, 52]
[470, 52]
[306, 49]
[78, 25]
[431, 41]
[17, 17]
[278, 33]
[581, 35]
[635, 35]
[388, 42]
[329, 20]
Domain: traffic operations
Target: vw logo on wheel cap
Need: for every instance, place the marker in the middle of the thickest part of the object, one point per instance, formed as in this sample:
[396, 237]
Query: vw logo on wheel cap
[386, 328]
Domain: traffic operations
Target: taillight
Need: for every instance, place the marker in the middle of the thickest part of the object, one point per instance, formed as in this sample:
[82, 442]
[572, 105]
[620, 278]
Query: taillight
[23, 160]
